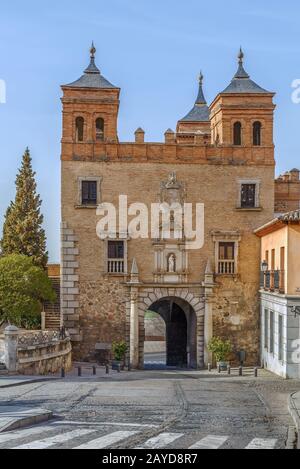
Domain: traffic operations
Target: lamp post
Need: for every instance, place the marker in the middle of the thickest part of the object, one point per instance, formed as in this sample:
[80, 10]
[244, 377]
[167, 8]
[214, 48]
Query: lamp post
[264, 269]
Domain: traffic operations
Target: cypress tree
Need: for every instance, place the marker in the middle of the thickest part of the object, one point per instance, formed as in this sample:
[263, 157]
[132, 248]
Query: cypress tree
[22, 229]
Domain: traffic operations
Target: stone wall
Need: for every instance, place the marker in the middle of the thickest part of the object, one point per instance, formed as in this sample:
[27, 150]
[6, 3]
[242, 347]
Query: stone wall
[102, 316]
[236, 317]
[36, 352]
[1, 348]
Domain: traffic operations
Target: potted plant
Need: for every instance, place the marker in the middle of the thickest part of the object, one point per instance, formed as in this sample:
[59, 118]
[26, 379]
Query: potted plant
[221, 350]
[119, 350]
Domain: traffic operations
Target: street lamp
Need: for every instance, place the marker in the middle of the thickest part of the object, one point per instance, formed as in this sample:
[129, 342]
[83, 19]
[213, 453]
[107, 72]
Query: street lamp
[264, 267]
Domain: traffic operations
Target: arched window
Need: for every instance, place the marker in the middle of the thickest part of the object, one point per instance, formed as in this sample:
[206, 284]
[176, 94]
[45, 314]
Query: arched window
[100, 129]
[79, 129]
[237, 134]
[257, 134]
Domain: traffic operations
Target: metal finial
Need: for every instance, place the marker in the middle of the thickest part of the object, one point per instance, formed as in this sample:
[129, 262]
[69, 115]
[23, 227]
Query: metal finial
[241, 56]
[93, 50]
[201, 78]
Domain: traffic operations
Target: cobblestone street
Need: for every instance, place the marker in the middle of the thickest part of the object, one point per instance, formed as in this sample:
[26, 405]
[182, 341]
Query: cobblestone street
[156, 409]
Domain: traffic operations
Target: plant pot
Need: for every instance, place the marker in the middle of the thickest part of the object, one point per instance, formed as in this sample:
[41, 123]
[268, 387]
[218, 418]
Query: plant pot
[116, 365]
[223, 366]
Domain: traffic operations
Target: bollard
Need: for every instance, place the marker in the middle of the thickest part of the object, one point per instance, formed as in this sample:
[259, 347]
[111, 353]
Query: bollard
[63, 373]
[256, 372]
[79, 371]
[107, 369]
[129, 367]
[209, 367]
[119, 368]
[219, 369]
[240, 371]
[94, 371]
[229, 371]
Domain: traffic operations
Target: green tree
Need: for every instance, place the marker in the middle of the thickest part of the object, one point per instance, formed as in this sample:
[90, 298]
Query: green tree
[23, 289]
[22, 229]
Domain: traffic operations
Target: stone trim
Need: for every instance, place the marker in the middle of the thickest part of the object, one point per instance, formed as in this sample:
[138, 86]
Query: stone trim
[70, 282]
[147, 296]
[257, 183]
[81, 179]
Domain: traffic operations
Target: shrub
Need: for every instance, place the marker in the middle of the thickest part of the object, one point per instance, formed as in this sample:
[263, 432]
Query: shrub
[23, 289]
[220, 348]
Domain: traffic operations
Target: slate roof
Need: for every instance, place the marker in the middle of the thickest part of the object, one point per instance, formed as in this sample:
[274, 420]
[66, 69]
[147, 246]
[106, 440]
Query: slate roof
[241, 82]
[92, 77]
[200, 111]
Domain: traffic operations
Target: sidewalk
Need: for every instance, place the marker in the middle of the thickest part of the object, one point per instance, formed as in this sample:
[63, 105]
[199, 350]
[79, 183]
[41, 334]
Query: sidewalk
[19, 380]
[14, 417]
[294, 406]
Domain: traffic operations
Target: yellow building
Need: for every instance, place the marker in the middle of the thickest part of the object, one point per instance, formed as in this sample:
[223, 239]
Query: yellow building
[280, 295]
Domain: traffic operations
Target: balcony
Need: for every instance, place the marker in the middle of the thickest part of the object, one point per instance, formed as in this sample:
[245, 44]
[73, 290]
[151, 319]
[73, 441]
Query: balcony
[273, 281]
[226, 267]
[116, 266]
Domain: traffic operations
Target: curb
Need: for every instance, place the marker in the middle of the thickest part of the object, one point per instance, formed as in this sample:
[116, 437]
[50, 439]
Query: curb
[295, 415]
[37, 416]
[29, 381]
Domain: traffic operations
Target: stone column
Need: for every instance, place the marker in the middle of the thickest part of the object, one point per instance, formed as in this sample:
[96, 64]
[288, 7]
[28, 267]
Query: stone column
[208, 320]
[11, 335]
[134, 329]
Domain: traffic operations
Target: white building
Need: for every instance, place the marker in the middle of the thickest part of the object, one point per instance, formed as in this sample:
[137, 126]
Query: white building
[280, 295]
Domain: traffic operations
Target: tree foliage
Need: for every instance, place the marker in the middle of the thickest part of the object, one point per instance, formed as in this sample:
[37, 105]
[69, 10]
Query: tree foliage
[22, 229]
[23, 289]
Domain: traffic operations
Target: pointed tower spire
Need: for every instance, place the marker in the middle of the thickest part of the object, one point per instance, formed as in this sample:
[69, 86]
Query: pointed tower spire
[134, 276]
[92, 68]
[241, 72]
[200, 98]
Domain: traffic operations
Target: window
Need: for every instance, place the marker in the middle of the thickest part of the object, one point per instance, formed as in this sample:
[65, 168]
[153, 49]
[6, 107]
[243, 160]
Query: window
[79, 124]
[89, 193]
[237, 134]
[266, 329]
[116, 257]
[272, 330]
[248, 196]
[99, 129]
[226, 264]
[257, 134]
[280, 338]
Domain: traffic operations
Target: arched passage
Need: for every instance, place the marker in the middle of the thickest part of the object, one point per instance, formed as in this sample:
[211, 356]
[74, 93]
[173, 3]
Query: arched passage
[180, 331]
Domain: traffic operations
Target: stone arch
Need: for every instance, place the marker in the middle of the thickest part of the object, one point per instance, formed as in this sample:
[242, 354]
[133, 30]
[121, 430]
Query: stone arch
[182, 297]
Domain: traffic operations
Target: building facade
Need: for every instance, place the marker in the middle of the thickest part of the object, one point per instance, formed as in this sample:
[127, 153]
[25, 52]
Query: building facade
[221, 156]
[280, 295]
[287, 192]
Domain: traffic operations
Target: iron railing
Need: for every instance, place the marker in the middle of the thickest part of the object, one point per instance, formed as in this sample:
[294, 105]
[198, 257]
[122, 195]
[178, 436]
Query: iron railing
[273, 280]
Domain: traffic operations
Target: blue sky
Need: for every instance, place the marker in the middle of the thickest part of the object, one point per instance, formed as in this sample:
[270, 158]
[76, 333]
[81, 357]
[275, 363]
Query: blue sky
[153, 50]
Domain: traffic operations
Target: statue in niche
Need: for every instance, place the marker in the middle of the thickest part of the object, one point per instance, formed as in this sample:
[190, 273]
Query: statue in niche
[172, 264]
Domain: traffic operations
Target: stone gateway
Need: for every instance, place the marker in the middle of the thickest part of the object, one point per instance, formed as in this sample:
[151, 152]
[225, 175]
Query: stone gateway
[221, 156]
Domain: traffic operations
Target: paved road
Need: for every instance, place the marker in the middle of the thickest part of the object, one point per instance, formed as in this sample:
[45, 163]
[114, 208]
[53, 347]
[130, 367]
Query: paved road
[169, 410]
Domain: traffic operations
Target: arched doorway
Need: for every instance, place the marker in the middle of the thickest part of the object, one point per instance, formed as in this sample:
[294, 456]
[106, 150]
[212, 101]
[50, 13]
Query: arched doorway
[180, 332]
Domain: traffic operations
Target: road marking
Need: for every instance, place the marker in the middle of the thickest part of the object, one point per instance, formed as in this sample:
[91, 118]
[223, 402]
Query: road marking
[210, 442]
[107, 424]
[260, 443]
[106, 441]
[15, 435]
[160, 441]
[54, 440]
